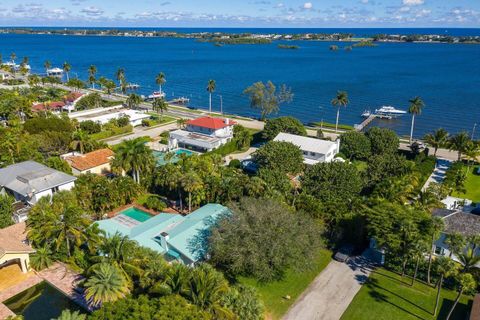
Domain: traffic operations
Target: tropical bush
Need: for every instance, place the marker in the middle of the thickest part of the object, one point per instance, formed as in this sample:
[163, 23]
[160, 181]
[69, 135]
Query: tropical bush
[282, 156]
[283, 124]
[155, 203]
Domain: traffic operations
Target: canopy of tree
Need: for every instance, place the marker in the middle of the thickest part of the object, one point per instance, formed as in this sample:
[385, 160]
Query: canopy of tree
[283, 124]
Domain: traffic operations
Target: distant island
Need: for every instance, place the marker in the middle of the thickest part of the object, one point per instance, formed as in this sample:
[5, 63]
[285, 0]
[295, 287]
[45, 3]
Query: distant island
[222, 38]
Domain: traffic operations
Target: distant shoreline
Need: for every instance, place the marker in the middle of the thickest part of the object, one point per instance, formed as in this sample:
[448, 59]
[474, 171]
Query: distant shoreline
[245, 37]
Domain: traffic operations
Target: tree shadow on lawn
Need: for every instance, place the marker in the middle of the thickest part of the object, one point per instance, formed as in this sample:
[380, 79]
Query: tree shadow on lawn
[407, 284]
[460, 312]
[372, 284]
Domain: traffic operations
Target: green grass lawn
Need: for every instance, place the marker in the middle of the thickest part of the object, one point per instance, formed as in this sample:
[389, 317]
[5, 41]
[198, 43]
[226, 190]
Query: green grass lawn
[385, 296]
[472, 185]
[273, 294]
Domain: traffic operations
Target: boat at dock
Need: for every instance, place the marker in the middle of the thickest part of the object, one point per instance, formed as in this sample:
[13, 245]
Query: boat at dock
[384, 112]
[156, 95]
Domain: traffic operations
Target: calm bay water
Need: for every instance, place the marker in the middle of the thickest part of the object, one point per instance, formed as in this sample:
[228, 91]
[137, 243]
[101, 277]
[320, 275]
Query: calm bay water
[446, 76]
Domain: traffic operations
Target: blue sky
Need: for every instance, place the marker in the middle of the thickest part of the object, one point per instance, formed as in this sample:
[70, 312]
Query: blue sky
[242, 13]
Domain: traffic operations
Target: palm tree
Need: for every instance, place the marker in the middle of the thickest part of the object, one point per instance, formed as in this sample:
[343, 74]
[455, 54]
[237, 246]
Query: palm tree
[160, 80]
[41, 259]
[160, 105]
[120, 74]
[206, 289]
[170, 177]
[436, 227]
[177, 278]
[340, 100]
[66, 68]
[191, 183]
[133, 101]
[472, 152]
[466, 283]
[81, 141]
[47, 66]
[437, 139]
[416, 105]
[135, 156]
[181, 123]
[468, 260]
[71, 315]
[13, 56]
[92, 71]
[418, 250]
[211, 88]
[455, 242]
[445, 268]
[107, 284]
[459, 143]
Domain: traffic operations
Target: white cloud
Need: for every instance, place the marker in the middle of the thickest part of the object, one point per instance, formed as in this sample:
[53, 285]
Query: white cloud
[413, 2]
[307, 5]
[92, 11]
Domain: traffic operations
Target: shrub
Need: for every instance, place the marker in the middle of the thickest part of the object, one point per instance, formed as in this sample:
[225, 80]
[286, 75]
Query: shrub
[90, 126]
[155, 203]
[146, 123]
[355, 145]
[235, 163]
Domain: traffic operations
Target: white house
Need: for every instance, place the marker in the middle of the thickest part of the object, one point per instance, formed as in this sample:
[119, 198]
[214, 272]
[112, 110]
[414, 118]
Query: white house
[104, 115]
[314, 150]
[202, 134]
[455, 221]
[29, 181]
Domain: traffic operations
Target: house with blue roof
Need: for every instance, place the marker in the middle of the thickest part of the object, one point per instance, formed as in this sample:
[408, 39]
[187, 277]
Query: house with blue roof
[181, 238]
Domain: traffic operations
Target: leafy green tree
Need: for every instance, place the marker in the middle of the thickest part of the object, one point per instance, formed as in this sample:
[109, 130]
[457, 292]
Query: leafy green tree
[191, 183]
[244, 302]
[455, 242]
[81, 142]
[160, 80]
[211, 86]
[455, 178]
[466, 283]
[107, 284]
[41, 259]
[341, 100]
[389, 165]
[459, 143]
[282, 156]
[383, 140]
[355, 145]
[76, 83]
[283, 124]
[6, 210]
[242, 137]
[266, 98]
[416, 106]
[133, 101]
[71, 315]
[246, 242]
[437, 139]
[59, 164]
[135, 157]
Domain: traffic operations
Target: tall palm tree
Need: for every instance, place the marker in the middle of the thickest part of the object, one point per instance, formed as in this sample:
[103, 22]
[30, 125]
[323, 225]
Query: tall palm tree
[472, 152]
[191, 183]
[13, 56]
[468, 260]
[47, 64]
[437, 139]
[181, 123]
[418, 251]
[416, 106]
[135, 157]
[436, 227]
[81, 141]
[459, 143]
[92, 71]
[160, 80]
[133, 101]
[466, 283]
[445, 268]
[160, 105]
[341, 100]
[66, 68]
[211, 86]
[107, 284]
[170, 177]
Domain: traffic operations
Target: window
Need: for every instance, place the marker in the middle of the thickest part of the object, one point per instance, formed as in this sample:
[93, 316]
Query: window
[55, 190]
[439, 250]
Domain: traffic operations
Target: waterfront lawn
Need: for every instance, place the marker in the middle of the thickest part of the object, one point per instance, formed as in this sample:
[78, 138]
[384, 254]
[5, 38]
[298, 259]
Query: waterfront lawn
[472, 185]
[294, 283]
[386, 296]
[157, 119]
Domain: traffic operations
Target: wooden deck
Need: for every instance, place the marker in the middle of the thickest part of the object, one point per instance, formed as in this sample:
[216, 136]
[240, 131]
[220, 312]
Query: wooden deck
[365, 123]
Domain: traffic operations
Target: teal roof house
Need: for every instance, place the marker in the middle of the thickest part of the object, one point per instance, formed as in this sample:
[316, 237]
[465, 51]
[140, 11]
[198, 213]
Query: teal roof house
[181, 238]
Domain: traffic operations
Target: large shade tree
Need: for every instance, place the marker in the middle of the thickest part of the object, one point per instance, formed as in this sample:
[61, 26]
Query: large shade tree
[278, 155]
[266, 98]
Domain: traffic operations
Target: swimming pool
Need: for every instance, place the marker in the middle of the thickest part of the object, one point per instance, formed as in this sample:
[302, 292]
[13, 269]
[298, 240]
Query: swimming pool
[160, 156]
[136, 214]
[41, 302]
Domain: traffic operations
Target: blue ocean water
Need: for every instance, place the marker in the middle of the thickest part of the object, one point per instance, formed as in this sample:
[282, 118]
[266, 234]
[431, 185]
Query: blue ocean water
[446, 76]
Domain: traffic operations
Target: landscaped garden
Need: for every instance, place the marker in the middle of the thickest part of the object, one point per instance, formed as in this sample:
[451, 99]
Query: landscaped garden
[472, 186]
[387, 296]
[274, 294]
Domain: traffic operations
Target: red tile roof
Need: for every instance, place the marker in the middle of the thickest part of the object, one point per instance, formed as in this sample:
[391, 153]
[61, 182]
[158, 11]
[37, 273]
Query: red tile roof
[72, 96]
[211, 123]
[53, 105]
[12, 239]
[90, 160]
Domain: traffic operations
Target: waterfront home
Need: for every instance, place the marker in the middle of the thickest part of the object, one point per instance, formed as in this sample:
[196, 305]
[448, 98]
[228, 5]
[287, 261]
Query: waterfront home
[14, 247]
[179, 238]
[97, 162]
[314, 150]
[29, 181]
[104, 115]
[456, 221]
[202, 134]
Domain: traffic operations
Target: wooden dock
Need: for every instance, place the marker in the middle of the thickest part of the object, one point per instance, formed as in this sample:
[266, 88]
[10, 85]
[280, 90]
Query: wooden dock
[364, 123]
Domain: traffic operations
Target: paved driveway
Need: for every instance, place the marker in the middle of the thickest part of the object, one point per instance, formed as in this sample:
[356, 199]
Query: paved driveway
[329, 295]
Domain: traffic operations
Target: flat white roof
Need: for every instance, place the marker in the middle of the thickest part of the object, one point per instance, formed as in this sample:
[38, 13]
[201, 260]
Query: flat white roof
[105, 117]
[306, 143]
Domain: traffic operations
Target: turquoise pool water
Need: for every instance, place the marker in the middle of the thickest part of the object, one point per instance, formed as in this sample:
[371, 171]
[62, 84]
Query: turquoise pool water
[41, 302]
[160, 156]
[136, 214]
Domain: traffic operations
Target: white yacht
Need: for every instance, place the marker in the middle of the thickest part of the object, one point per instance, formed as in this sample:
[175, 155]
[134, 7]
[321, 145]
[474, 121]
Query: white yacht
[389, 111]
[156, 95]
[55, 72]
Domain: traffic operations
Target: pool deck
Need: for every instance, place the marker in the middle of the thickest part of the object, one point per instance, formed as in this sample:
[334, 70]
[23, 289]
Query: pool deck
[58, 275]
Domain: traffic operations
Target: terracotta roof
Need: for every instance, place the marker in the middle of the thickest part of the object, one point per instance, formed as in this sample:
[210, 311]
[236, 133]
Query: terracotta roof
[90, 160]
[211, 123]
[13, 240]
[53, 105]
[72, 96]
